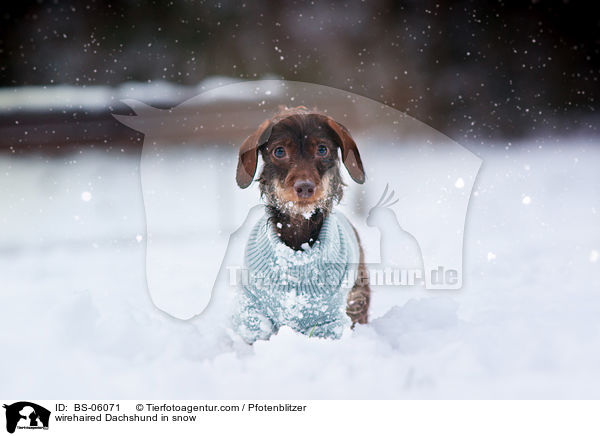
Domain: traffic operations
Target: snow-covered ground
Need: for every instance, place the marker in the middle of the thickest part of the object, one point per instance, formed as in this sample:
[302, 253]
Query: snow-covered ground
[77, 320]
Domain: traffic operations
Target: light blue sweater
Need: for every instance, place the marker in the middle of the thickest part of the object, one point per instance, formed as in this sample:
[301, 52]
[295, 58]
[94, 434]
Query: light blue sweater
[305, 290]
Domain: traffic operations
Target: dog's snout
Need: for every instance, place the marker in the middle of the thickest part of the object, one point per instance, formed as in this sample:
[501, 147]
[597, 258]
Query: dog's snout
[304, 188]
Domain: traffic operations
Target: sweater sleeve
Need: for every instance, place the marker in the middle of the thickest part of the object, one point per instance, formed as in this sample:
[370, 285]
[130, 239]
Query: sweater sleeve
[250, 320]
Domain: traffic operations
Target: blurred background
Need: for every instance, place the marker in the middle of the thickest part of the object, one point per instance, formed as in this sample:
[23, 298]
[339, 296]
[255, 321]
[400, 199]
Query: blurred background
[477, 71]
[515, 82]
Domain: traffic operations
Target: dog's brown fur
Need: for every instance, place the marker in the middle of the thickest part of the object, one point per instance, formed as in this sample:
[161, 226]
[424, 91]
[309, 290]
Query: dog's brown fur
[302, 134]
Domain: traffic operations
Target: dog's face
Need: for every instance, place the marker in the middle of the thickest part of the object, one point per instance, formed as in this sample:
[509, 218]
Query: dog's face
[301, 164]
[301, 172]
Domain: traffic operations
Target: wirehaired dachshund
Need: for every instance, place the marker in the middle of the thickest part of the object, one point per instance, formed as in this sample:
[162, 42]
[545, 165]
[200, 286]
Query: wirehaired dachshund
[301, 183]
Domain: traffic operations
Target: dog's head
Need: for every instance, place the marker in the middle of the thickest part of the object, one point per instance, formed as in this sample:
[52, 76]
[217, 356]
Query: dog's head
[301, 165]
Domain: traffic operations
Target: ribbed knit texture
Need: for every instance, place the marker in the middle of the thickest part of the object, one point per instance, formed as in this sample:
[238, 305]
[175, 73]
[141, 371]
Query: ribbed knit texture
[305, 289]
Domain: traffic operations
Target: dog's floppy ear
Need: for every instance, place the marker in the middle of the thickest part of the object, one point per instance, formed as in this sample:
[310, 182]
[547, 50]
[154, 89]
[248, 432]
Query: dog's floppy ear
[248, 157]
[350, 155]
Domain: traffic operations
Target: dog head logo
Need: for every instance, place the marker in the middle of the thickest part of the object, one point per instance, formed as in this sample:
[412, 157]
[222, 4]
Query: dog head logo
[195, 209]
[26, 415]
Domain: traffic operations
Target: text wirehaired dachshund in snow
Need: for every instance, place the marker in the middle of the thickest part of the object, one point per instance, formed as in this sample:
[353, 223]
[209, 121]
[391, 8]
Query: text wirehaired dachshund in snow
[300, 253]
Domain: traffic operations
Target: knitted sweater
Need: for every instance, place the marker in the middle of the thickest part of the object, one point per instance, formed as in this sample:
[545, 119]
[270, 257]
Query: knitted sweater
[305, 289]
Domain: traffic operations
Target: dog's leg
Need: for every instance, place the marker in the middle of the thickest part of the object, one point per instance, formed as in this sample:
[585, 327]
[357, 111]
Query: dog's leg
[359, 296]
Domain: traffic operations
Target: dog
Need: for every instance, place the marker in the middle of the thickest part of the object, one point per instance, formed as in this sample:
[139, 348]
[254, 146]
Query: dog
[301, 183]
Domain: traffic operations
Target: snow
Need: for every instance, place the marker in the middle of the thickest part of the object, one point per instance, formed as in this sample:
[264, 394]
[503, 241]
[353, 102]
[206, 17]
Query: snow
[79, 322]
[308, 215]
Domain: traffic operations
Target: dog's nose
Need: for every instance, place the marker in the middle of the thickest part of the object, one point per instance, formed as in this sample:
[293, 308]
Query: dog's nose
[304, 188]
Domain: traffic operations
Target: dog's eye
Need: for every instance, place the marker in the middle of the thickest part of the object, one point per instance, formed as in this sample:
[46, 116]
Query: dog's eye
[279, 152]
[322, 150]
